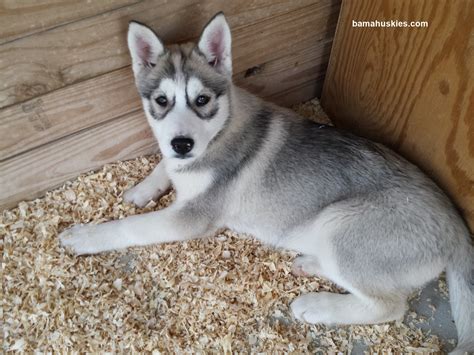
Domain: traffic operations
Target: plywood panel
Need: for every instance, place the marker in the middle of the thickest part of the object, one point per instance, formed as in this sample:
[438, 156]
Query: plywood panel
[288, 80]
[22, 18]
[410, 88]
[28, 175]
[81, 50]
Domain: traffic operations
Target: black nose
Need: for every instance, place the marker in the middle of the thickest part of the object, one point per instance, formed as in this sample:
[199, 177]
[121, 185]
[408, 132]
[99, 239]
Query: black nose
[182, 145]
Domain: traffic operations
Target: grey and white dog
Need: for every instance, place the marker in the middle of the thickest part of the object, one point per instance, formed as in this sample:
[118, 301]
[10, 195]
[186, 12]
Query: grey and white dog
[359, 214]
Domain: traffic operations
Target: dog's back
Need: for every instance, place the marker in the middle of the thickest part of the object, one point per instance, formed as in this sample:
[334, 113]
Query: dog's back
[370, 220]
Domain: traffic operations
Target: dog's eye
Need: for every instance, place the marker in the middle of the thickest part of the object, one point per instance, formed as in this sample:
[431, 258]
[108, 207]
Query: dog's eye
[202, 100]
[161, 100]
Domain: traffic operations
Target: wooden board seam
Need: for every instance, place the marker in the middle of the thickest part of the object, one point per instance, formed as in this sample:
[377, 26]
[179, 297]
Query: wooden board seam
[116, 118]
[69, 23]
[302, 52]
[45, 75]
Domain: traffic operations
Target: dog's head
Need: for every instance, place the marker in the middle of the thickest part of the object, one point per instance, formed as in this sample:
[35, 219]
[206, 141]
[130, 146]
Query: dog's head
[184, 88]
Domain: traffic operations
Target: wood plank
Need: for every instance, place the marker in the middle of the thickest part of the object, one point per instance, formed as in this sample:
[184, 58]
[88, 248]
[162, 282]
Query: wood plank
[60, 113]
[27, 176]
[292, 79]
[76, 107]
[81, 50]
[410, 88]
[303, 91]
[22, 18]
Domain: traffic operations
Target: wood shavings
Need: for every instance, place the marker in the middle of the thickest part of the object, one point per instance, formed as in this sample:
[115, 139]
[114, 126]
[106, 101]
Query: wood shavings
[222, 294]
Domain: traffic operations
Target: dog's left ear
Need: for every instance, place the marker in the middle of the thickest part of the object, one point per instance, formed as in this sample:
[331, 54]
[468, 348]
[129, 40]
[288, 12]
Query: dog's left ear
[216, 44]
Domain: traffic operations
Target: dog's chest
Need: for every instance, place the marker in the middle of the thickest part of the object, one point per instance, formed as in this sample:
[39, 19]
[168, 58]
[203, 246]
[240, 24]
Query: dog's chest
[190, 184]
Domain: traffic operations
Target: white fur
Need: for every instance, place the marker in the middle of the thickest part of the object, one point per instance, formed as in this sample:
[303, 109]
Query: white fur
[139, 38]
[194, 87]
[425, 272]
[239, 215]
[314, 239]
[248, 210]
[156, 227]
[216, 44]
[182, 121]
[332, 308]
[190, 184]
[305, 265]
[149, 189]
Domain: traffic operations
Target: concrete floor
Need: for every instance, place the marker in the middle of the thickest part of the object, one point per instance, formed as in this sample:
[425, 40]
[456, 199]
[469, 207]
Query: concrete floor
[433, 308]
[434, 305]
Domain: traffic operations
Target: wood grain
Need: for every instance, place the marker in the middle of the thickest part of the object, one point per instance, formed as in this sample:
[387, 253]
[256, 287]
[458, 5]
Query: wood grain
[22, 18]
[28, 175]
[292, 79]
[410, 88]
[70, 102]
[102, 137]
[63, 112]
[77, 107]
[81, 50]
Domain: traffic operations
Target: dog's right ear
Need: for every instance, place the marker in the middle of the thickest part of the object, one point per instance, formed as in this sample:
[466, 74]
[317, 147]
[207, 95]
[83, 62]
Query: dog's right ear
[144, 45]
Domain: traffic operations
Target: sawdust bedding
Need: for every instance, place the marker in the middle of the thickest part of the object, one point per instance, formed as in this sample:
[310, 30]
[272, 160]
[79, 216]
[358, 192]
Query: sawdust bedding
[222, 294]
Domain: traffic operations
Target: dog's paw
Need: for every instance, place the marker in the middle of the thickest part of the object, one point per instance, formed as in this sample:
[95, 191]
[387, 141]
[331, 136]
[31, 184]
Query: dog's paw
[313, 308]
[82, 239]
[304, 266]
[141, 194]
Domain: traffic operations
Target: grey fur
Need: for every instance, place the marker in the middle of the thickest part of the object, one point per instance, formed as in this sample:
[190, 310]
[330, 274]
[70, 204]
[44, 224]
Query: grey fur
[359, 213]
[397, 220]
[187, 60]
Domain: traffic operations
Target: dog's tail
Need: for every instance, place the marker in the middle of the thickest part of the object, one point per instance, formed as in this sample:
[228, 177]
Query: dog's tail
[460, 277]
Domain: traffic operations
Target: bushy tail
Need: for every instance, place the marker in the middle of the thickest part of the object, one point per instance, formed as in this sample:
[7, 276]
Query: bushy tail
[460, 276]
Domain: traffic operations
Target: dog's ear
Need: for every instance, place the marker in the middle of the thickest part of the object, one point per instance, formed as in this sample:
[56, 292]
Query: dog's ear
[215, 44]
[144, 45]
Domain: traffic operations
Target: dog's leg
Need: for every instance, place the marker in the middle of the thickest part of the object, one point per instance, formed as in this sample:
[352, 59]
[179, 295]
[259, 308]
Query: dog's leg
[171, 224]
[154, 186]
[305, 265]
[373, 261]
[332, 308]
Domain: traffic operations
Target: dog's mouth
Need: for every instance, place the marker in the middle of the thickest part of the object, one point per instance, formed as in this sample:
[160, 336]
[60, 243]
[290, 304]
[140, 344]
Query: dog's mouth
[183, 156]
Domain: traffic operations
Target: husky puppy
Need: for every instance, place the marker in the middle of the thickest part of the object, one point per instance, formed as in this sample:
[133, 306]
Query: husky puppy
[359, 214]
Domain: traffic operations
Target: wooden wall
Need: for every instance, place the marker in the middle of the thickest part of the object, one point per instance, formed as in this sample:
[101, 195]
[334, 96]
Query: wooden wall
[411, 88]
[67, 98]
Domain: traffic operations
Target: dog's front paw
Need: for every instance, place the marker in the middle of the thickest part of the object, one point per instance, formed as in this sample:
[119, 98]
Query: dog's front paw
[141, 194]
[82, 239]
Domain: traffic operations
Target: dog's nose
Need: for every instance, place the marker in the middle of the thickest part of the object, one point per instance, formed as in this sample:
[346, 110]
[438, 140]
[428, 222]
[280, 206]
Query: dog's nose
[182, 145]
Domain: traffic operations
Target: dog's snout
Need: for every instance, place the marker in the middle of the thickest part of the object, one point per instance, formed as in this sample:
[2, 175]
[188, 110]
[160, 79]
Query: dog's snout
[182, 145]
